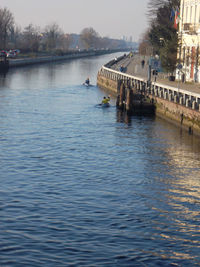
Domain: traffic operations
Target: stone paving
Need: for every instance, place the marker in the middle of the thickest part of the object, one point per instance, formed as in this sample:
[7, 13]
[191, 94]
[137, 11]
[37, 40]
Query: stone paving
[134, 67]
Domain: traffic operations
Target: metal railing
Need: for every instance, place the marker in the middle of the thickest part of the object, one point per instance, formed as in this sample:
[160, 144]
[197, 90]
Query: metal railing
[173, 94]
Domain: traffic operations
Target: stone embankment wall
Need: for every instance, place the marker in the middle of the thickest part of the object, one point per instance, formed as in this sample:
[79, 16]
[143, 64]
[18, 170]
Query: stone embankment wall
[187, 118]
[176, 105]
[108, 84]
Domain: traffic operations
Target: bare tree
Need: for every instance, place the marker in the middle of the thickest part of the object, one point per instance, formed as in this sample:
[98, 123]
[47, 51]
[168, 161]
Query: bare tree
[145, 47]
[89, 37]
[31, 38]
[14, 40]
[52, 35]
[65, 41]
[6, 25]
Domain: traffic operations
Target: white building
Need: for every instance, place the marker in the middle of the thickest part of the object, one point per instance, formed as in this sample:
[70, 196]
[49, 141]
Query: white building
[189, 39]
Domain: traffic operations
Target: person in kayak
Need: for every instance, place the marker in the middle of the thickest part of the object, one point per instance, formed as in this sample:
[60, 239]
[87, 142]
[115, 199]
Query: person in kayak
[87, 81]
[105, 100]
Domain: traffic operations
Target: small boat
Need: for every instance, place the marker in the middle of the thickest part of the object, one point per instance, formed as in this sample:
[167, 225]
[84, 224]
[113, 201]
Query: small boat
[105, 105]
[87, 84]
[105, 102]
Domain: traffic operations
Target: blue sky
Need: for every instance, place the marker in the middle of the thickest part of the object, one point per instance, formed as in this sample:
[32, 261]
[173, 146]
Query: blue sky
[111, 18]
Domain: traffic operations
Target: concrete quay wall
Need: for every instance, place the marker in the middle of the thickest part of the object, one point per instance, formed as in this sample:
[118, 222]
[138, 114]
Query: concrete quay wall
[108, 84]
[179, 106]
[182, 116]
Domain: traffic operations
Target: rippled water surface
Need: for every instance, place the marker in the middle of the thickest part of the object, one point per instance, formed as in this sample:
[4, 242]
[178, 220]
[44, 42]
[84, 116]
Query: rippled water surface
[86, 186]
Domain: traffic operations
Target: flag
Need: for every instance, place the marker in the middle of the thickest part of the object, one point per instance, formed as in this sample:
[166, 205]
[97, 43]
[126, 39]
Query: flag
[172, 15]
[176, 18]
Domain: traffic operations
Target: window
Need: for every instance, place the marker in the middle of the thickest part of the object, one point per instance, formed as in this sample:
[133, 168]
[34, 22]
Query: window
[195, 14]
[188, 57]
[184, 54]
[186, 17]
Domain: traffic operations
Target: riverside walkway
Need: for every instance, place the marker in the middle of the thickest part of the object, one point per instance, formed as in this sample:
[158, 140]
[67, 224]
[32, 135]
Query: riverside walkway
[174, 100]
[134, 67]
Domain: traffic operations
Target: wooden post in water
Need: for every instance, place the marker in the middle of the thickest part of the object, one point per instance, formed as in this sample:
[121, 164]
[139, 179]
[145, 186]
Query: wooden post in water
[129, 100]
[122, 96]
[119, 82]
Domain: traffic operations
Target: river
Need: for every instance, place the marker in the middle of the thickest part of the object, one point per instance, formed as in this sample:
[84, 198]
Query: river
[86, 186]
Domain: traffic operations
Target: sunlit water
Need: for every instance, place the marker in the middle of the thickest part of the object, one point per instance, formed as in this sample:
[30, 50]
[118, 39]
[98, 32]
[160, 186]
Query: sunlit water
[86, 186]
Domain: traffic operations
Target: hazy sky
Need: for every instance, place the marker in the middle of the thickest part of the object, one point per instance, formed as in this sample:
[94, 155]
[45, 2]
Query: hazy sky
[111, 18]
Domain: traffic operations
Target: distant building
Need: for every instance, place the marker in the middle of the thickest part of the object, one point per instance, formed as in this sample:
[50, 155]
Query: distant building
[189, 39]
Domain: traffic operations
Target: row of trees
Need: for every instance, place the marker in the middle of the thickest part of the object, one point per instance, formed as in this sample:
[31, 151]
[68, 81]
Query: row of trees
[33, 38]
[6, 25]
[161, 38]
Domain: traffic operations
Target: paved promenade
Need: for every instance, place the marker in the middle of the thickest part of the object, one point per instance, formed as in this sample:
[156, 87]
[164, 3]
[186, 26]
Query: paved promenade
[134, 67]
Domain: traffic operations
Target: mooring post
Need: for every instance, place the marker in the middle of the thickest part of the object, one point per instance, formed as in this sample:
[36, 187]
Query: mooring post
[119, 82]
[129, 100]
[122, 96]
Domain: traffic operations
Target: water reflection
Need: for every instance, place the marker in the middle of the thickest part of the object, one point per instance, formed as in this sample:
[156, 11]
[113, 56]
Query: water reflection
[3, 78]
[171, 169]
[123, 117]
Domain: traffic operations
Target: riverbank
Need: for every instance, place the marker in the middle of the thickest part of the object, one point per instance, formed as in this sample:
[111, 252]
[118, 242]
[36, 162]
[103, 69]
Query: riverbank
[175, 102]
[53, 58]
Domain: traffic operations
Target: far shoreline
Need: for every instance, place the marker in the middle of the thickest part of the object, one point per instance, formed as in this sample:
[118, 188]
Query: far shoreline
[19, 62]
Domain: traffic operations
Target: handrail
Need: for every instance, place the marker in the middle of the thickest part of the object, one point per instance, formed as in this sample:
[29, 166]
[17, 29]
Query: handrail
[124, 74]
[157, 84]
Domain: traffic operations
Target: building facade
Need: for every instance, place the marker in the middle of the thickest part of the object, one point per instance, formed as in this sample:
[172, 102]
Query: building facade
[189, 40]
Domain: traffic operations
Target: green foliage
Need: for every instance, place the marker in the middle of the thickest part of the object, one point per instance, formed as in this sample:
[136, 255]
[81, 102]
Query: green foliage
[163, 36]
[168, 54]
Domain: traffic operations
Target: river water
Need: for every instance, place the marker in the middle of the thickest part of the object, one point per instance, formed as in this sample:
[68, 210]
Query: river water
[86, 186]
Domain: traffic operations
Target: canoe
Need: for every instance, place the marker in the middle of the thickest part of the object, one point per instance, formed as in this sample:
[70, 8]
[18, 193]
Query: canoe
[87, 85]
[105, 105]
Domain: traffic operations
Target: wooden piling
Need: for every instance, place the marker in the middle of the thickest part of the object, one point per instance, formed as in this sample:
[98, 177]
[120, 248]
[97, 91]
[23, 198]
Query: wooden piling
[122, 96]
[129, 100]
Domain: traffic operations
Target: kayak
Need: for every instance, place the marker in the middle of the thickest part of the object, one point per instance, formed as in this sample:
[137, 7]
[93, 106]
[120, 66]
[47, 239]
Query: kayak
[87, 85]
[105, 105]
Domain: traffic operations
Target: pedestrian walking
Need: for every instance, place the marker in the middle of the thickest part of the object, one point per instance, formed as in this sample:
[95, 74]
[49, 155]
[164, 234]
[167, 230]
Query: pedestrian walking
[143, 63]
